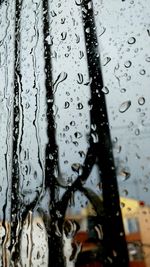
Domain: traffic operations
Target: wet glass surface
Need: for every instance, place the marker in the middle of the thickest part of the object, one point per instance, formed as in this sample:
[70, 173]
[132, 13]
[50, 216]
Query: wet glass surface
[74, 74]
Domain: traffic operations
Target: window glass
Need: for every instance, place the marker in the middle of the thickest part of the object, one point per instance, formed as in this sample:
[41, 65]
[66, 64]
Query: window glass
[74, 133]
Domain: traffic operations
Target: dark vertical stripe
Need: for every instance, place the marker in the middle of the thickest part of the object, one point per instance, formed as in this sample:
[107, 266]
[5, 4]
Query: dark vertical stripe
[15, 198]
[55, 242]
[51, 149]
[114, 236]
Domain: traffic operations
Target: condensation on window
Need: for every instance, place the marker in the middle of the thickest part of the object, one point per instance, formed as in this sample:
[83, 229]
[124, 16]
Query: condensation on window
[71, 73]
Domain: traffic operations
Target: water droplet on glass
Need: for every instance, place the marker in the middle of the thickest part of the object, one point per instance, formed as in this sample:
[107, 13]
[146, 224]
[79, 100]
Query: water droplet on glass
[105, 90]
[103, 29]
[77, 38]
[77, 167]
[63, 35]
[66, 128]
[106, 61]
[122, 90]
[53, 13]
[141, 101]
[57, 230]
[95, 137]
[27, 105]
[137, 131]
[147, 59]
[82, 154]
[80, 78]
[78, 2]
[131, 40]
[145, 189]
[81, 54]
[128, 64]
[49, 39]
[122, 204]
[75, 143]
[142, 72]
[99, 231]
[67, 104]
[125, 106]
[124, 175]
[72, 123]
[60, 78]
[63, 20]
[148, 31]
[79, 106]
[87, 30]
[77, 135]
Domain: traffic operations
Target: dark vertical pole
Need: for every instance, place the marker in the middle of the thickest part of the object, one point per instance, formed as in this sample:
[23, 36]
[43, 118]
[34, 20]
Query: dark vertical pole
[55, 241]
[114, 236]
[15, 199]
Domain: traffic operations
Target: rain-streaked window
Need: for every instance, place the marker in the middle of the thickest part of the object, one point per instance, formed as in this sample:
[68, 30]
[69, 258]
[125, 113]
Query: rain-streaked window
[74, 133]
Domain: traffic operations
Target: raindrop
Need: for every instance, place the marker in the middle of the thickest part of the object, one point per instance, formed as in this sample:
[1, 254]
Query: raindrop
[145, 189]
[147, 59]
[115, 140]
[125, 106]
[122, 204]
[72, 123]
[122, 90]
[98, 229]
[128, 64]
[141, 101]
[49, 39]
[89, 82]
[63, 20]
[82, 154]
[67, 104]
[78, 2]
[87, 30]
[142, 72]
[75, 143]
[61, 77]
[38, 255]
[137, 131]
[0, 188]
[77, 38]
[76, 250]
[53, 13]
[77, 135]
[131, 40]
[63, 35]
[80, 78]
[102, 31]
[148, 31]
[66, 128]
[81, 54]
[79, 106]
[57, 230]
[70, 228]
[124, 175]
[95, 137]
[105, 90]
[27, 105]
[106, 61]
[77, 167]
[131, 124]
